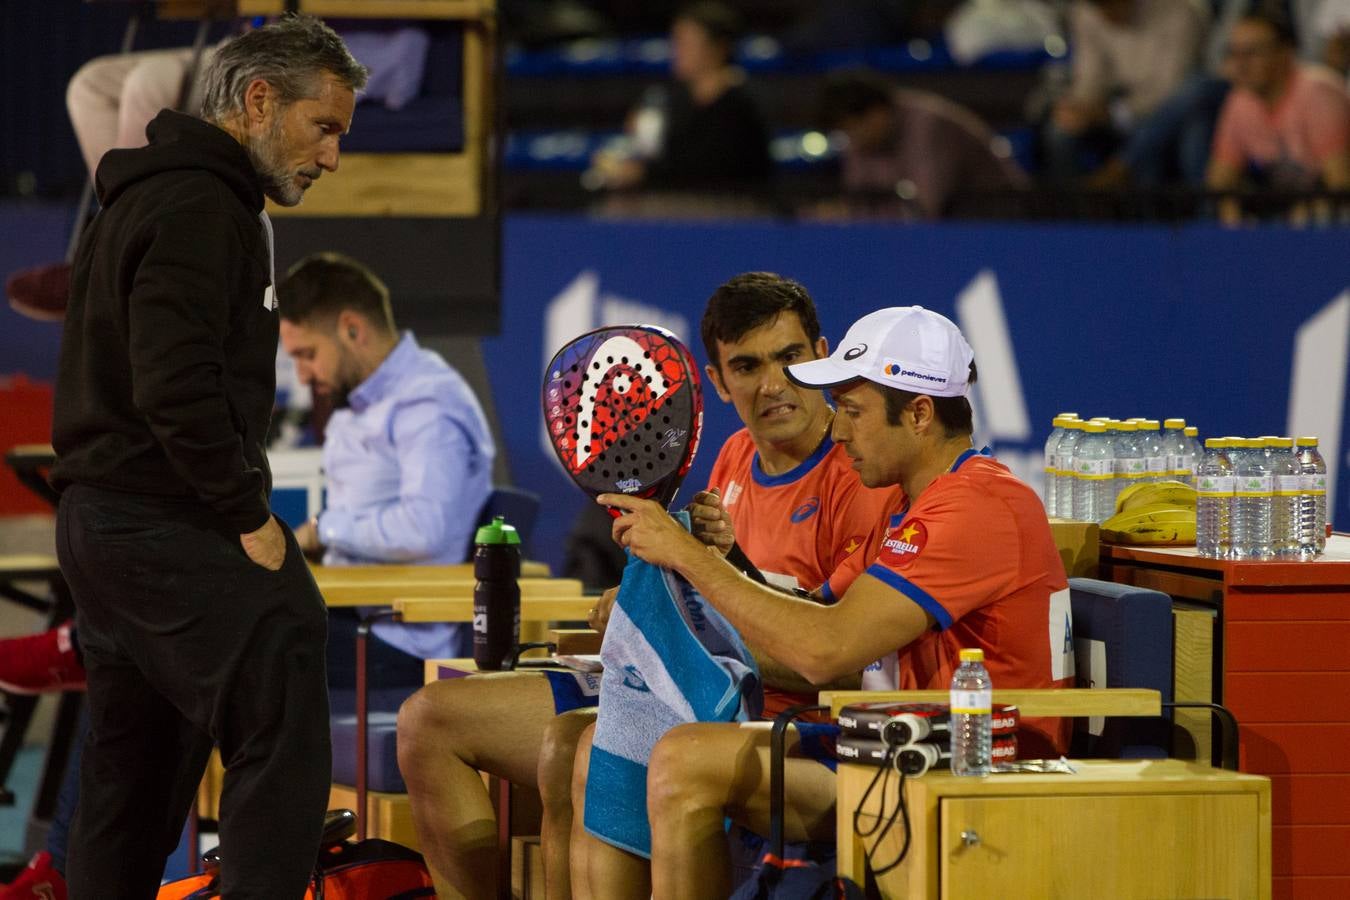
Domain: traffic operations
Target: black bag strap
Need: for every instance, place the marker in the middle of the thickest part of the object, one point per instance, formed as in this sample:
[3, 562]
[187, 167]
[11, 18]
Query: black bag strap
[777, 764]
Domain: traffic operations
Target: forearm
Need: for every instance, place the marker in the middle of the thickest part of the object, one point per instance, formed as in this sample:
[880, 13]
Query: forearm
[402, 531]
[792, 631]
[780, 677]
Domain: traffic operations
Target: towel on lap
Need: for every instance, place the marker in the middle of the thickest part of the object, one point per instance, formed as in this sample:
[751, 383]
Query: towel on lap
[669, 658]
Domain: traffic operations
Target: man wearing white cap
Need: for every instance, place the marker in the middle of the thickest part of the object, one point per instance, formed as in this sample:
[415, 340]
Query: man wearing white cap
[967, 561]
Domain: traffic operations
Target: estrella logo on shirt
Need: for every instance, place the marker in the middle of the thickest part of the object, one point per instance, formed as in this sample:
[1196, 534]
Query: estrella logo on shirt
[806, 510]
[903, 543]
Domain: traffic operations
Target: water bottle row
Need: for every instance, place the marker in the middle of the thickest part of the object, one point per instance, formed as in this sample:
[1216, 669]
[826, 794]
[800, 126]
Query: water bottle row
[1088, 463]
[1261, 498]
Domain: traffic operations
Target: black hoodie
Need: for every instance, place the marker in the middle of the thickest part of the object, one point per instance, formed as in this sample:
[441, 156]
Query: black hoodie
[168, 359]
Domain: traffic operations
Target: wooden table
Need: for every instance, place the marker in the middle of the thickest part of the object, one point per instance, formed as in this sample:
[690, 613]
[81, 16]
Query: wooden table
[1117, 829]
[338, 591]
[1280, 663]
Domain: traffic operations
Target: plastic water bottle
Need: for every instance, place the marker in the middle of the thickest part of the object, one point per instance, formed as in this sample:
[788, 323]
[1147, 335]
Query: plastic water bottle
[1312, 506]
[1052, 463]
[1197, 449]
[1151, 446]
[1129, 459]
[1180, 465]
[1287, 483]
[972, 723]
[1214, 501]
[496, 594]
[1252, 511]
[1093, 493]
[1065, 482]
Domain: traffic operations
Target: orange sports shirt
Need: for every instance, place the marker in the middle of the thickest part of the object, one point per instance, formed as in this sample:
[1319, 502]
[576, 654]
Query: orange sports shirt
[975, 552]
[800, 527]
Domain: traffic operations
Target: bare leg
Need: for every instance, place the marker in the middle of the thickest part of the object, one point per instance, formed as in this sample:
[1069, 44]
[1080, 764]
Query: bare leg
[555, 790]
[701, 773]
[447, 733]
[598, 869]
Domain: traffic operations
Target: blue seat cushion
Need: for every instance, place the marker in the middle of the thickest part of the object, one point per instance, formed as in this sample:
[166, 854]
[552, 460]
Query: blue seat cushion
[381, 746]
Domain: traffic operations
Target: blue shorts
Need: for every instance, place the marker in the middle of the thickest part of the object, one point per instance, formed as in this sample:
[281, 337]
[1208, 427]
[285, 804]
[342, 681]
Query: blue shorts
[573, 690]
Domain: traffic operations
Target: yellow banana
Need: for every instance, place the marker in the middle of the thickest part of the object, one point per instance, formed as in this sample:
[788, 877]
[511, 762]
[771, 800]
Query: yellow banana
[1156, 523]
[1171, 493]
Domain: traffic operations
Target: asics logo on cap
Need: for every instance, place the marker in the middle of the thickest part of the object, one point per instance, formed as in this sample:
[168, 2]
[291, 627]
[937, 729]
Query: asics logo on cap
[855, 352]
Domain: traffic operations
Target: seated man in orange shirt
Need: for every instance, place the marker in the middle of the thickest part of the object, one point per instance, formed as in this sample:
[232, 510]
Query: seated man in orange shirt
[1285, 123]
[799, 512]
[968, 561]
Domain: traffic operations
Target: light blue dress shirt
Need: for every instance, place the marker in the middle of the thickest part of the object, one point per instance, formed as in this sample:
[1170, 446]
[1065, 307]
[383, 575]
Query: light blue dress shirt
[407, 467]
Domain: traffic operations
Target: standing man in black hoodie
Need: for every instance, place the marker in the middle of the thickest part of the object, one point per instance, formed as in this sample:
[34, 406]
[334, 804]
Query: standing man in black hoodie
[199, 620]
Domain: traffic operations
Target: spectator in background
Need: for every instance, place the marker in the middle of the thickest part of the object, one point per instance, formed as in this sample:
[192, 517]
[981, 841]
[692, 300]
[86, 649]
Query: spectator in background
[1330, 32]
[1285, 125]
[703, 131]
[918, 154]
[1128, 57]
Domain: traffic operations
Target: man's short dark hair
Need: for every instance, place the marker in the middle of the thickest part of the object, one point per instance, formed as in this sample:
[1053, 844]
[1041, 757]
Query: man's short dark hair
[290, 54]
[1276, 22]
[750, 300]
[851, 93]
[321, 286]
[953, 413]
[722, 22]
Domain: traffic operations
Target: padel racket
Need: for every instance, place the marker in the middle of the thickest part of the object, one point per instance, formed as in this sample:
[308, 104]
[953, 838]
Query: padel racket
[623, 408]
[624, 411]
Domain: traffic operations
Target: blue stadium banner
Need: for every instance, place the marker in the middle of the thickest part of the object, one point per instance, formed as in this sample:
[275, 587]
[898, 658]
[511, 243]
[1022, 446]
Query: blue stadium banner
[1239, 332]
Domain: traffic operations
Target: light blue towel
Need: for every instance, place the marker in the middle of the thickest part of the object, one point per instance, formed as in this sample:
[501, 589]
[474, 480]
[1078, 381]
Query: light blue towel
[669, 658]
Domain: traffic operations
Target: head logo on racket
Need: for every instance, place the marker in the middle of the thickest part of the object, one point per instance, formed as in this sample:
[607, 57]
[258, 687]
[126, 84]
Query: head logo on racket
[624, 410]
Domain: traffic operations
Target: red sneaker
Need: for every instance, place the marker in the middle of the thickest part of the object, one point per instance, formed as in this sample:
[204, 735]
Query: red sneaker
[41, 292]
[40, 663]
[37, 882]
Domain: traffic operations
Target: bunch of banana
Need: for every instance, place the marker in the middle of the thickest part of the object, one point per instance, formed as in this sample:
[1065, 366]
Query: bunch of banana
[1167, 493]
[1155, 523]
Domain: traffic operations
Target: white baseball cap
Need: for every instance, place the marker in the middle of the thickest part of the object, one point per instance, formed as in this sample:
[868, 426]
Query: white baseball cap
[906, 347]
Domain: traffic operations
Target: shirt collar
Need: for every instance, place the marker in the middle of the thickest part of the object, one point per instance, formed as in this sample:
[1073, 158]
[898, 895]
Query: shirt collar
[398, 363]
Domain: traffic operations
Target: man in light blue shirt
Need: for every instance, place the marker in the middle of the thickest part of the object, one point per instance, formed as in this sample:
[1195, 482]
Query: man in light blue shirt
[407, 454]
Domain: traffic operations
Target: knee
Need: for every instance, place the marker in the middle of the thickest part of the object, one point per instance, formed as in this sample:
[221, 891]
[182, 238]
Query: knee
[425, 725]
[680, 774]
[153, 83]
[82, 85]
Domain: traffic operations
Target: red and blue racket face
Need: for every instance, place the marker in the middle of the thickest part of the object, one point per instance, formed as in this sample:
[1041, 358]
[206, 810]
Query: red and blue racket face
[624, 410]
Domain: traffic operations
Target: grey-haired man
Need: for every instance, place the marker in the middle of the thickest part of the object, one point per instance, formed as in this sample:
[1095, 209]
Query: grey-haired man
[199, 621]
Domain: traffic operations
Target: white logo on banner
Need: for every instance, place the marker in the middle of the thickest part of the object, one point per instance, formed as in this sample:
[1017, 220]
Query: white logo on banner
[1317, 385]
[1000, 406]
[579, 308]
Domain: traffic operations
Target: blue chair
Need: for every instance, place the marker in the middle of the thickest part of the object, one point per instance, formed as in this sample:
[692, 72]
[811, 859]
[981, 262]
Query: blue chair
[1133, 628]
[369, 716]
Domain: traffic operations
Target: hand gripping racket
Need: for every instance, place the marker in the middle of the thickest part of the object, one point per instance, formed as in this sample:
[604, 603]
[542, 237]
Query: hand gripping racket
[624, 411]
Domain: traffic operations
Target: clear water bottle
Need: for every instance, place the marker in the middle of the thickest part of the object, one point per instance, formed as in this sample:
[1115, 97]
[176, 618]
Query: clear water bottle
[972, 723]
[1064, 484]
[1129, 460]
[1180, 466]
[1051, 469]
[1093, 492]
[1197, 449]
[1156, 467]
[1254, 506]
[1312, 507]
[1214, 501]
[1287, 484]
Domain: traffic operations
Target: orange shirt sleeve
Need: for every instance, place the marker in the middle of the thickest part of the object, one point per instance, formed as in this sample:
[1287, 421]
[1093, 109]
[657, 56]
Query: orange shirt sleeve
[952, 554]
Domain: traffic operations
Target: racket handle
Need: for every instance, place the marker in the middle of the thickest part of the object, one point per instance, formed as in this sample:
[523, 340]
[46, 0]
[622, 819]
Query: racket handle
[736, 556]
